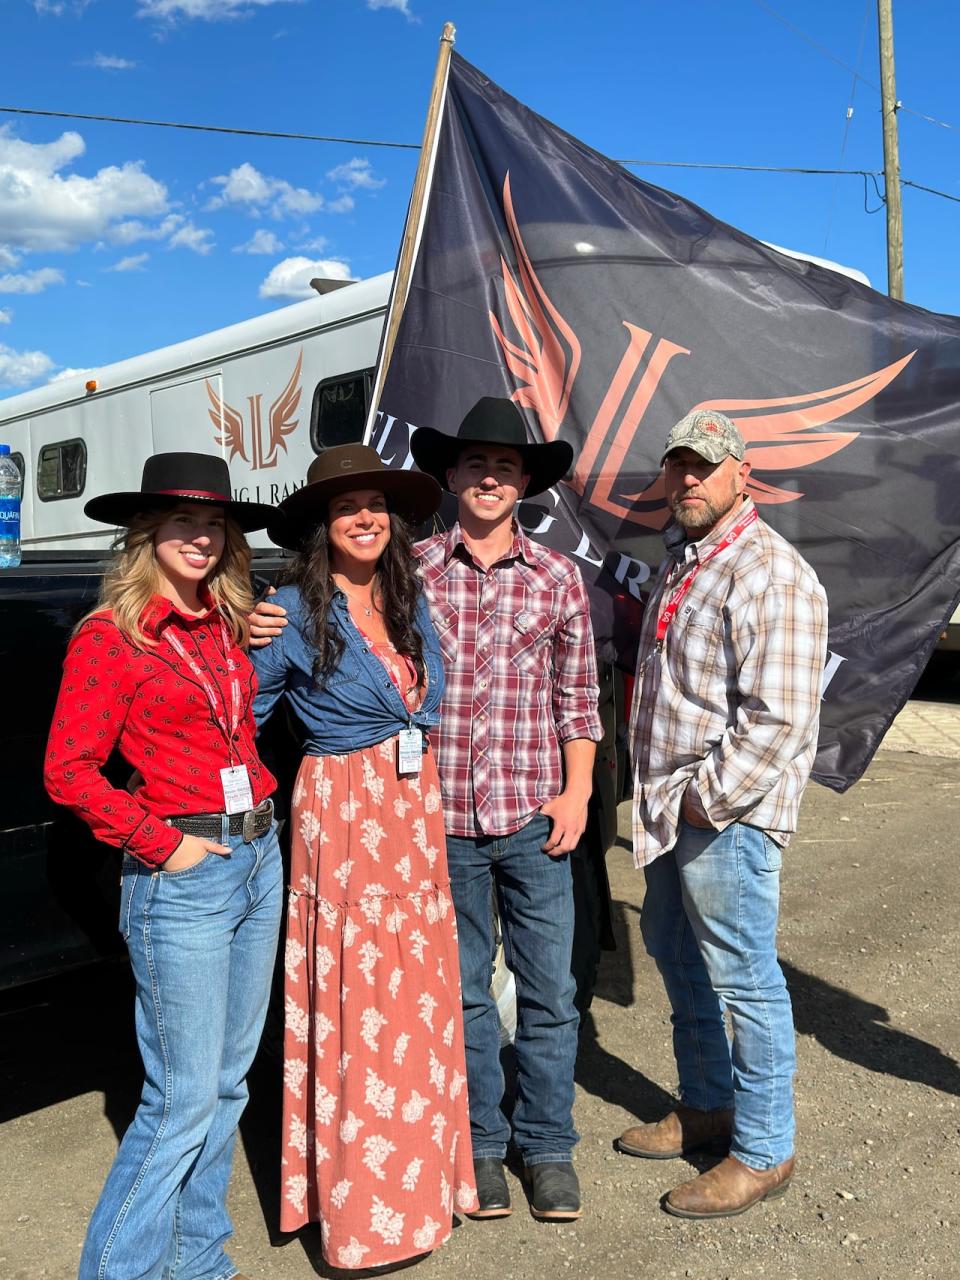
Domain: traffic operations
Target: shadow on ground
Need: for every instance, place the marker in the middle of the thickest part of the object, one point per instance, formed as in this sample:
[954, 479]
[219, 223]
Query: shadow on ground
[859, 1031]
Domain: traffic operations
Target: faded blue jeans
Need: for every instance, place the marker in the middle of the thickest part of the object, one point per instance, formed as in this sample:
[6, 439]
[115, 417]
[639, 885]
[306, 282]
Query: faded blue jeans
[202, 944]
[709, 920]
[535, 899]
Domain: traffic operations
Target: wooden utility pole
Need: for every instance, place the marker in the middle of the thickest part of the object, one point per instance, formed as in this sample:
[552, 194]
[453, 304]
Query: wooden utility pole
[891, 151]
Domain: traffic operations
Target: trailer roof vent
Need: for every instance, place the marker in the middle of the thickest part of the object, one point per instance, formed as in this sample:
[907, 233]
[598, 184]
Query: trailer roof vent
[323, 285]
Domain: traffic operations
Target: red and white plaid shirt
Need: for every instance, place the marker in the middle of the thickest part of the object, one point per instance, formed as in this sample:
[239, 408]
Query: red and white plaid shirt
[521, 678]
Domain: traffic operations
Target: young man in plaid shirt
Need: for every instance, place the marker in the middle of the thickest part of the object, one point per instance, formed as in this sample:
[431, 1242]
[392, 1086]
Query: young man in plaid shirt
[515, 750]
[723, 736]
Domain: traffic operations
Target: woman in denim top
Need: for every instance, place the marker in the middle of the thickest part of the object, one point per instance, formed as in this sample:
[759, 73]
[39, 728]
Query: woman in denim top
[376, 1136]
[358, 705]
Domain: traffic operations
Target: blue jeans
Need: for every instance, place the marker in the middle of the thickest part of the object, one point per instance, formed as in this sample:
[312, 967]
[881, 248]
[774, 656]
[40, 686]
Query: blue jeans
[535, 899]
[709, 921]
[202, 944]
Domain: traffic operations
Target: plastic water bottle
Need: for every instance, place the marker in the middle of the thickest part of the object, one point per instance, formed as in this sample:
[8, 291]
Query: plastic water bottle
[10, 491]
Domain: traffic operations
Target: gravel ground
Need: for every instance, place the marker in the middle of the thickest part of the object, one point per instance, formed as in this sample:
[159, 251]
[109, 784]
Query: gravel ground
[869, 941]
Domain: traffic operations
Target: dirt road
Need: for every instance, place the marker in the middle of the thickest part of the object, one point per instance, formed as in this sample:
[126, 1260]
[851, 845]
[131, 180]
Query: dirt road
[869, 940]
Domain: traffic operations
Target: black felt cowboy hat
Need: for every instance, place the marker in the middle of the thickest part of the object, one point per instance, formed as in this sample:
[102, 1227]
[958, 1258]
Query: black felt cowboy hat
[492, 421]
[172, 478]
[344, 467]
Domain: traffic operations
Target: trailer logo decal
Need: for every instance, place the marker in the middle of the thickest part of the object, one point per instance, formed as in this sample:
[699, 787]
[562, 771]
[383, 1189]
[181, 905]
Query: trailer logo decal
[282, 423]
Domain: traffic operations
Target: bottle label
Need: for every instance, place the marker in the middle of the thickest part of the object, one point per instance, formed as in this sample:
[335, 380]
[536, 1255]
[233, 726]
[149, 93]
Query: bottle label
[9, 517]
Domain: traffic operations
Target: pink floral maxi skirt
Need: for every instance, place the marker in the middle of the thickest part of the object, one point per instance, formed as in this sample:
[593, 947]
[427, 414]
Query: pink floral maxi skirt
[376, 1132]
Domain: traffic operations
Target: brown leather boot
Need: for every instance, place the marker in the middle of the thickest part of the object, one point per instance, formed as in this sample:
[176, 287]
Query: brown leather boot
[682, 1131]
[727, 1189]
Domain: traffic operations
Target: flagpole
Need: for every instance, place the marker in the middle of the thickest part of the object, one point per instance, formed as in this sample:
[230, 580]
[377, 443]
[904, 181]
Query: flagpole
[413, 225]
[891, 151]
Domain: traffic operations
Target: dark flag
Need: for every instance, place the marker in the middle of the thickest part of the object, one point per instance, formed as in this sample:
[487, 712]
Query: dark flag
[608, 308]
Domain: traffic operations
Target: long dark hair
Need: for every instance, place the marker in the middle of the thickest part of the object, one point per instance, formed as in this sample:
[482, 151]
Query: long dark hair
[397, 585]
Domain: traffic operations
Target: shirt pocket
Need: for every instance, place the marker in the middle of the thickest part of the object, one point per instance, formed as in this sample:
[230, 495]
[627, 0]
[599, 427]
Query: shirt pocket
[446, 622]
[347, 670]
[697, 645]
[531, 641]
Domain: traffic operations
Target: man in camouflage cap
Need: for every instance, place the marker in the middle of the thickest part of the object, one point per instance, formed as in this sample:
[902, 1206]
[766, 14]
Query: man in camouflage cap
[723, 735]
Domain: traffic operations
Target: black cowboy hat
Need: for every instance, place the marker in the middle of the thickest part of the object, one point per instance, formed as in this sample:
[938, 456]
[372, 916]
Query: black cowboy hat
[172, 478]
[350, 466]
[492, 421]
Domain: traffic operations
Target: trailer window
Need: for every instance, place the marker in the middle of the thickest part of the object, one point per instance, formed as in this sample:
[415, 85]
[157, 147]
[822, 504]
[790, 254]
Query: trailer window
[61, 470]
[339, 410]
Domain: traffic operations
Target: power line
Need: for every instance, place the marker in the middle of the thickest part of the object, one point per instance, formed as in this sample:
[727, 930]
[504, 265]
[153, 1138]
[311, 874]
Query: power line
[415, 146]
[846, 129]
[829, 54]
[210, 128]
[933, 191]
[746, 168]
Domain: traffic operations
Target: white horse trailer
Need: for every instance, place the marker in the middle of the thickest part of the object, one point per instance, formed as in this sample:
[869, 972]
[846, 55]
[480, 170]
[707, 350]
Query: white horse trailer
[268, 394]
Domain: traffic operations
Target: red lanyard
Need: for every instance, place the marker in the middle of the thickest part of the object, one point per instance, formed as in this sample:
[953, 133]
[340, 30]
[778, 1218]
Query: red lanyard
[668, 611]
[215, 699]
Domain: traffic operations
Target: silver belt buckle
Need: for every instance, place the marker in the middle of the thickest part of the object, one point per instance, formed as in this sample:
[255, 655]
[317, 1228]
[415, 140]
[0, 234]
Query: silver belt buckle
[249, 826]
[257, 820]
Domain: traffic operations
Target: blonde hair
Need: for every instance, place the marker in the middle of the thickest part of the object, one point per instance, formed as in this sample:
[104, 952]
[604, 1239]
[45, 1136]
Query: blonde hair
[133, 579]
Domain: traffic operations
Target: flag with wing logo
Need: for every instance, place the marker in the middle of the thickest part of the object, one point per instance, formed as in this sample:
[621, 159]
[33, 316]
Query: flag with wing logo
[608, 308]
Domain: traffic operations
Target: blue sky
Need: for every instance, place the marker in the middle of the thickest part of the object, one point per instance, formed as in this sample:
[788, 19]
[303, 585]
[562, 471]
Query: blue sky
[115, 239]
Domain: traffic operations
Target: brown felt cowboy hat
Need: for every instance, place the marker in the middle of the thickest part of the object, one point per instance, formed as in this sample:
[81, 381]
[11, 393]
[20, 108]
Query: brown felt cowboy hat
[492, 421]
[344, 467]
[171, 478]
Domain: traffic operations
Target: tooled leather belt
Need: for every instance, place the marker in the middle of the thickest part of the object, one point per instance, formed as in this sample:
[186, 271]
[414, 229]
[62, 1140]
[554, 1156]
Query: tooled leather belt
[209, 826]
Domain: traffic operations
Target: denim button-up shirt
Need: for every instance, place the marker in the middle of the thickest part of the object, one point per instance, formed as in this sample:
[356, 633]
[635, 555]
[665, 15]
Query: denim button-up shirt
[358, 705]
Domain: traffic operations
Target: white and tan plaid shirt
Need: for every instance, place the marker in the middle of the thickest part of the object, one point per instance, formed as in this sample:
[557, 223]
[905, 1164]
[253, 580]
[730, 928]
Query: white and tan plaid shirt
[730, 700]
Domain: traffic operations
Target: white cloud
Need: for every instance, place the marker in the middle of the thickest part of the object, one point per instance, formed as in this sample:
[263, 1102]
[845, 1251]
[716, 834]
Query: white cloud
[132, 230]
[208, 10]
[39, 157]
[30, 281]
[291, 277]
[187, 236]
[41, 208]
[247, 187]
[66, 374]
[342, 204]
[356, 173]
[7, 257]
[401, 6]
[317, 245]
[262, 241]
[108, 62]
[136, 262]
[57, 8]
[6, 315]
[18, 368]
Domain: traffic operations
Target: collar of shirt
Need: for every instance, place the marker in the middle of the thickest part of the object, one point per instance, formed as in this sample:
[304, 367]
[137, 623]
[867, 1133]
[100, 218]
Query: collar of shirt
[520, 549]
[160, 610]
[683, 549]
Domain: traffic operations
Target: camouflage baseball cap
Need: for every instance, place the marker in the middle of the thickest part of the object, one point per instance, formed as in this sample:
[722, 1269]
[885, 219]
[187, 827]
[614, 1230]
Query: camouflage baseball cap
[713, 435]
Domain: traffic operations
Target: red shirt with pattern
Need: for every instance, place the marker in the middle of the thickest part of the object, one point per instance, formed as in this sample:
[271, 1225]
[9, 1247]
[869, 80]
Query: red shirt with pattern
[521, 678]
[150, 706]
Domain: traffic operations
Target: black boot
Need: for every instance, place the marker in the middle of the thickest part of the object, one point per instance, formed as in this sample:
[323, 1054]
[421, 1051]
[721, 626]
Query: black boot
[554, 1190]
[492, 1190]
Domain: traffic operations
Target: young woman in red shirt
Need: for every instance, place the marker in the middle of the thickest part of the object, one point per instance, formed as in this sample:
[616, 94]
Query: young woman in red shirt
[159, 672]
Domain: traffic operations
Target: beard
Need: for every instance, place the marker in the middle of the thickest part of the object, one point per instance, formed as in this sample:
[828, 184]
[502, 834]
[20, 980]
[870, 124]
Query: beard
[704, 514]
